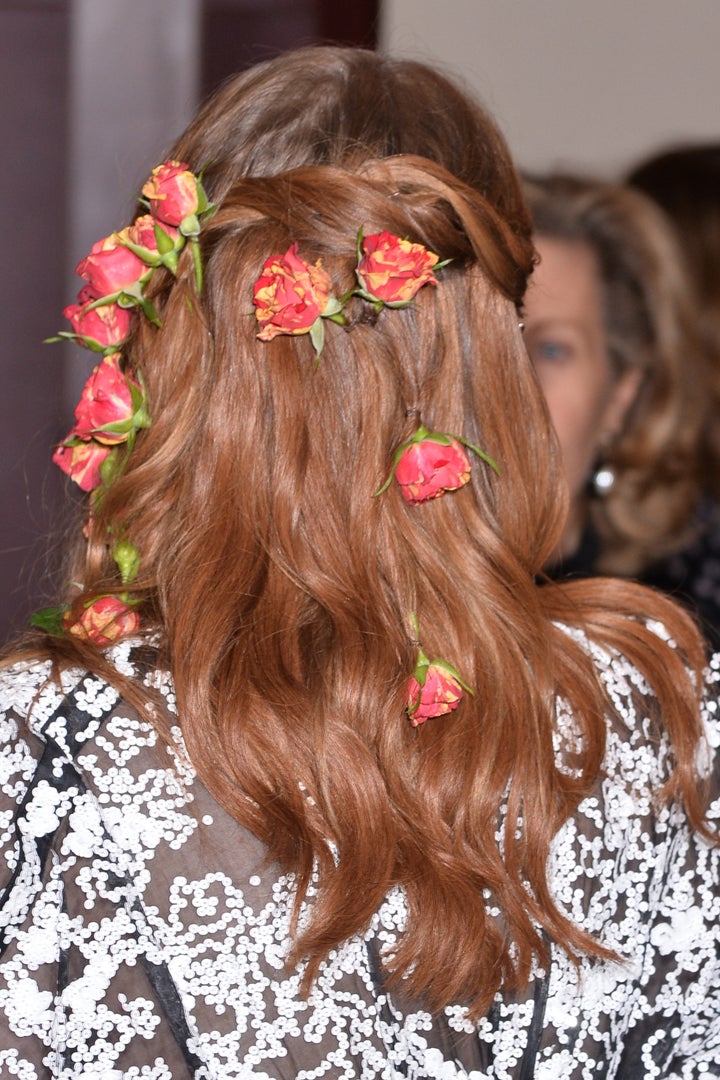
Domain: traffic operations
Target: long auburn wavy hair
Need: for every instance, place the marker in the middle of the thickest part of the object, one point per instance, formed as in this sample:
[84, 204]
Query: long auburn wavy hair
[280, 590]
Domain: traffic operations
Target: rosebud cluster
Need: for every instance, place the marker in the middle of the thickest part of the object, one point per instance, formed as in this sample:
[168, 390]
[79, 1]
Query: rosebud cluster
[113, 406]
[291, 296]
[118, 268]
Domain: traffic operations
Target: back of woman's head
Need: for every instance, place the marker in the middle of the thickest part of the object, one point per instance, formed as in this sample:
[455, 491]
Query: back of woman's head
[269, 462]
[334, 105]
[647, 315]
[284, 590]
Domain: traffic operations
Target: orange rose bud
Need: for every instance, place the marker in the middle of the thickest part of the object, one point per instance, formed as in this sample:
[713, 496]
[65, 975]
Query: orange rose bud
[103, 327]
[111, 267]
[172, 191]
[142, 233]
[391, 270]
[104, 621]
[427, 469]
[106, 411]
[81, 461]
[438, 693]
[290, 295]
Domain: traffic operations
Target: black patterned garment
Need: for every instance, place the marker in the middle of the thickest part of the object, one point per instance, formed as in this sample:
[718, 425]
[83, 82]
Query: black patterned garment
[143, 934]
[691, 576]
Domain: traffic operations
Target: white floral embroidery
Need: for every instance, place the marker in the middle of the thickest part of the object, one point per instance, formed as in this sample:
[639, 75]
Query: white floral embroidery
[145, 936]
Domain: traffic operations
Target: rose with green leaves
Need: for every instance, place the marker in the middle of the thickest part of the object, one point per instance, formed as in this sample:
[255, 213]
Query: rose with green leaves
[391, 271]
[432, 463]
[292, 296]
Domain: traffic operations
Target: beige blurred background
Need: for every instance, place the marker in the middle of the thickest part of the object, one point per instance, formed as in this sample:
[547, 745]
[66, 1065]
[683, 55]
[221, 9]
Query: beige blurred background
[575, 83]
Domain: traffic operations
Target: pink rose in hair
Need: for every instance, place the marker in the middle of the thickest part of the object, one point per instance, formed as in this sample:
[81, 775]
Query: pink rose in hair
[437, 694]
[104, 621]
[290, 295]
[172, 191]
[111, 267]
[81, 461]
[427, 469]
[106, 409]
[391, 270]
[107, 325]
[142, 232]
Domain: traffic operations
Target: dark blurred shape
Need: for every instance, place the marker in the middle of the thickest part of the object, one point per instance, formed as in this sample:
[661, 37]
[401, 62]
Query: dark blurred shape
[684, 181]
[34, 42]
[237, 34]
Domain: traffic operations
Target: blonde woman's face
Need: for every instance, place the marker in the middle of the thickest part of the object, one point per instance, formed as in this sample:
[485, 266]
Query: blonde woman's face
[566, 342]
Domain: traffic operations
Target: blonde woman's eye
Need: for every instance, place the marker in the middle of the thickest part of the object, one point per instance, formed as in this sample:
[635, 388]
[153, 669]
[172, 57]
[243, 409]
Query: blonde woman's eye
[552, 351]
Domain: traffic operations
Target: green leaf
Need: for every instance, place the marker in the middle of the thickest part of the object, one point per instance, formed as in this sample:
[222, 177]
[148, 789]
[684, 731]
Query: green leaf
[317, 336]
[88, 342]
[444, 666]
[190, 225]
[170, 262]
[141, 418]
[149, 257]
[197, 262]
[163, 240]
[103, 301]
[333, 307]
[359, 249]
[480, 453]
[109, 467]
[50, 619]
[149, 312]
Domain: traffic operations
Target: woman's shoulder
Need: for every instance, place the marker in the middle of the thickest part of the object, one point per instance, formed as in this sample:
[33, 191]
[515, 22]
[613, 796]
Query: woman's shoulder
[50, 716]
[32, 689]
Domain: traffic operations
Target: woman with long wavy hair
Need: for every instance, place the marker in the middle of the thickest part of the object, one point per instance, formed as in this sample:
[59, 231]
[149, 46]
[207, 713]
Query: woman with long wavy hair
[306, 776]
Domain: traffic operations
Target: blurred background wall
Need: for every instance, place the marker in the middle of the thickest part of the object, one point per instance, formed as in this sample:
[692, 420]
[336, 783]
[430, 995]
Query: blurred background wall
[93, 91]
[575, 83]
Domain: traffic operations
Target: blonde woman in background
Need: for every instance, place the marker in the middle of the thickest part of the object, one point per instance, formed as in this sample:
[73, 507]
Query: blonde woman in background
[611, 330]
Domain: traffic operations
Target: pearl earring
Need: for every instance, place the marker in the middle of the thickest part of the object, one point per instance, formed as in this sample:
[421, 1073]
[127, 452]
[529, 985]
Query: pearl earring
[603, 480]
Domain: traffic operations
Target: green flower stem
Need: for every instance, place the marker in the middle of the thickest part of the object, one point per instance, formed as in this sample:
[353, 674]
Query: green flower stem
[197, 263]
[480, 453]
